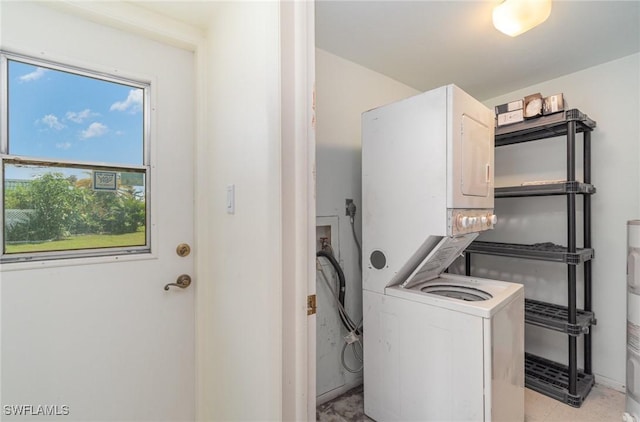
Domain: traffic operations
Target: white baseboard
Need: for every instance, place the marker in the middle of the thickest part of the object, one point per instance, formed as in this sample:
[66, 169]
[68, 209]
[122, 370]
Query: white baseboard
[330, 395]
[610, 383]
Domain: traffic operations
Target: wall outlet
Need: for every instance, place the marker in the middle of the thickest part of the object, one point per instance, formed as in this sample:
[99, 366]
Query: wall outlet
[347, 202]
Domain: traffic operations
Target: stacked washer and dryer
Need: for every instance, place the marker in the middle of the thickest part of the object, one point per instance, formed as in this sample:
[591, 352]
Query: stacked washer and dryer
[438, 346]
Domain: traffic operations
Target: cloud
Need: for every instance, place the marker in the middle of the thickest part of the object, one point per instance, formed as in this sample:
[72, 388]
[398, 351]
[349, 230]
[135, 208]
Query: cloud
[133, 103]
[63, 145]
[52, 121]
[33, 76]
[80, 116]
[94, 129]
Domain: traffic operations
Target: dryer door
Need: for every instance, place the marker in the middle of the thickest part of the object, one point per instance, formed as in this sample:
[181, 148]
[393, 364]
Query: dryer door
[469, 153]
[476, 149]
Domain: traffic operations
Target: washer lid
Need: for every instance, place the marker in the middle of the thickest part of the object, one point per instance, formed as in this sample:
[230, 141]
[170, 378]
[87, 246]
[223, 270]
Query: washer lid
[432, 259]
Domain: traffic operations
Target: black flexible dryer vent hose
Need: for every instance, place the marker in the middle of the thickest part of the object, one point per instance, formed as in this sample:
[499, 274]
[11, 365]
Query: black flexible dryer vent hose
[342, 287]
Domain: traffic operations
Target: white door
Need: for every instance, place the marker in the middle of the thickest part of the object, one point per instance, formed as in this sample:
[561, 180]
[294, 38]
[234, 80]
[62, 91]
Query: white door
[99, 338]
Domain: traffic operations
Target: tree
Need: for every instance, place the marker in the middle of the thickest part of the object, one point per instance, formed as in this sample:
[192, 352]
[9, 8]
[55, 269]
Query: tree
[56, 207]
[52, 198]
[119, 212]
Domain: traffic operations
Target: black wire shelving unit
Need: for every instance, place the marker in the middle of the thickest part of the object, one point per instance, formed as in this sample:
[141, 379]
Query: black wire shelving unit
[567, 383]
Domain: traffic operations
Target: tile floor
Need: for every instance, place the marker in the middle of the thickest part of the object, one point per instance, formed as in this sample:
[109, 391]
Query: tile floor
[602, 405]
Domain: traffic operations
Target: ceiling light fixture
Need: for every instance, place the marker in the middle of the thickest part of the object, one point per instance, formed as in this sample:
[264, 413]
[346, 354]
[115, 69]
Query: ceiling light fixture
[513, 17]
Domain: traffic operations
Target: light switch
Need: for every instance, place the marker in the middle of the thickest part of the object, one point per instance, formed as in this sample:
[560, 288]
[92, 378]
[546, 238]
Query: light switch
[231, 199]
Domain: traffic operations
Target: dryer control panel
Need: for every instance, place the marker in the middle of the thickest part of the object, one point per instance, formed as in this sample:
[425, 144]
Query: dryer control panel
[463, 221]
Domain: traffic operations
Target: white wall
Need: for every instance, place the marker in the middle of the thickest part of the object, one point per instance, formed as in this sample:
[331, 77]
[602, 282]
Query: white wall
[609, 94]
[241, 321]
[344, 91]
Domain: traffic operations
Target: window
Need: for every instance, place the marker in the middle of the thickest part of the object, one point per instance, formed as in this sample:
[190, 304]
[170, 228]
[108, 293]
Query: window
[75, 166]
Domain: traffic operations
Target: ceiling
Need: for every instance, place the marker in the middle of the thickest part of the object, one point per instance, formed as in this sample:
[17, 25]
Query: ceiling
[197, 13]
[425, 44]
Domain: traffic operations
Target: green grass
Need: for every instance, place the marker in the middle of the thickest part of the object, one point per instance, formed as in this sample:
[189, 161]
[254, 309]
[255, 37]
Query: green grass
[89, 241]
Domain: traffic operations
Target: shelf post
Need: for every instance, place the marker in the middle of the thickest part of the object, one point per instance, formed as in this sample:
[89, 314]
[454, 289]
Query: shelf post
[571, 248]
[587, 244]
[467, 263]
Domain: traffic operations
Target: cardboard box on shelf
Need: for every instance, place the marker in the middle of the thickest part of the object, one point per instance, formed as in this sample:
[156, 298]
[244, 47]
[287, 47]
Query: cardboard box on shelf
[507, 107]
[533, 106]
[511, 117]
[553, 104]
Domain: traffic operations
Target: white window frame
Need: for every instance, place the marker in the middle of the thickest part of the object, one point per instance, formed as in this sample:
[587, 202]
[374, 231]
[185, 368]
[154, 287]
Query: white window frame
[5, 157]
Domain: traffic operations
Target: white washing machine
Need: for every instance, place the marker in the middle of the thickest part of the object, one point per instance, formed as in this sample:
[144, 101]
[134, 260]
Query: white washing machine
[437, 347]
[444, 348]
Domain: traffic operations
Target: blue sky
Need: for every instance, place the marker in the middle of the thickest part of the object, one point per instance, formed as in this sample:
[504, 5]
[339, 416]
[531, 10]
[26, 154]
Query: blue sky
[59, 115]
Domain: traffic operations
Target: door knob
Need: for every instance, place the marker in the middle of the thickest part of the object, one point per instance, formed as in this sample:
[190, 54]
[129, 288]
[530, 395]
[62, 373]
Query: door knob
[183, 282]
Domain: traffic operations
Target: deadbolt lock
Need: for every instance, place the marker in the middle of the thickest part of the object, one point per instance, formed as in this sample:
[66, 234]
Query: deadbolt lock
[183, 250]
